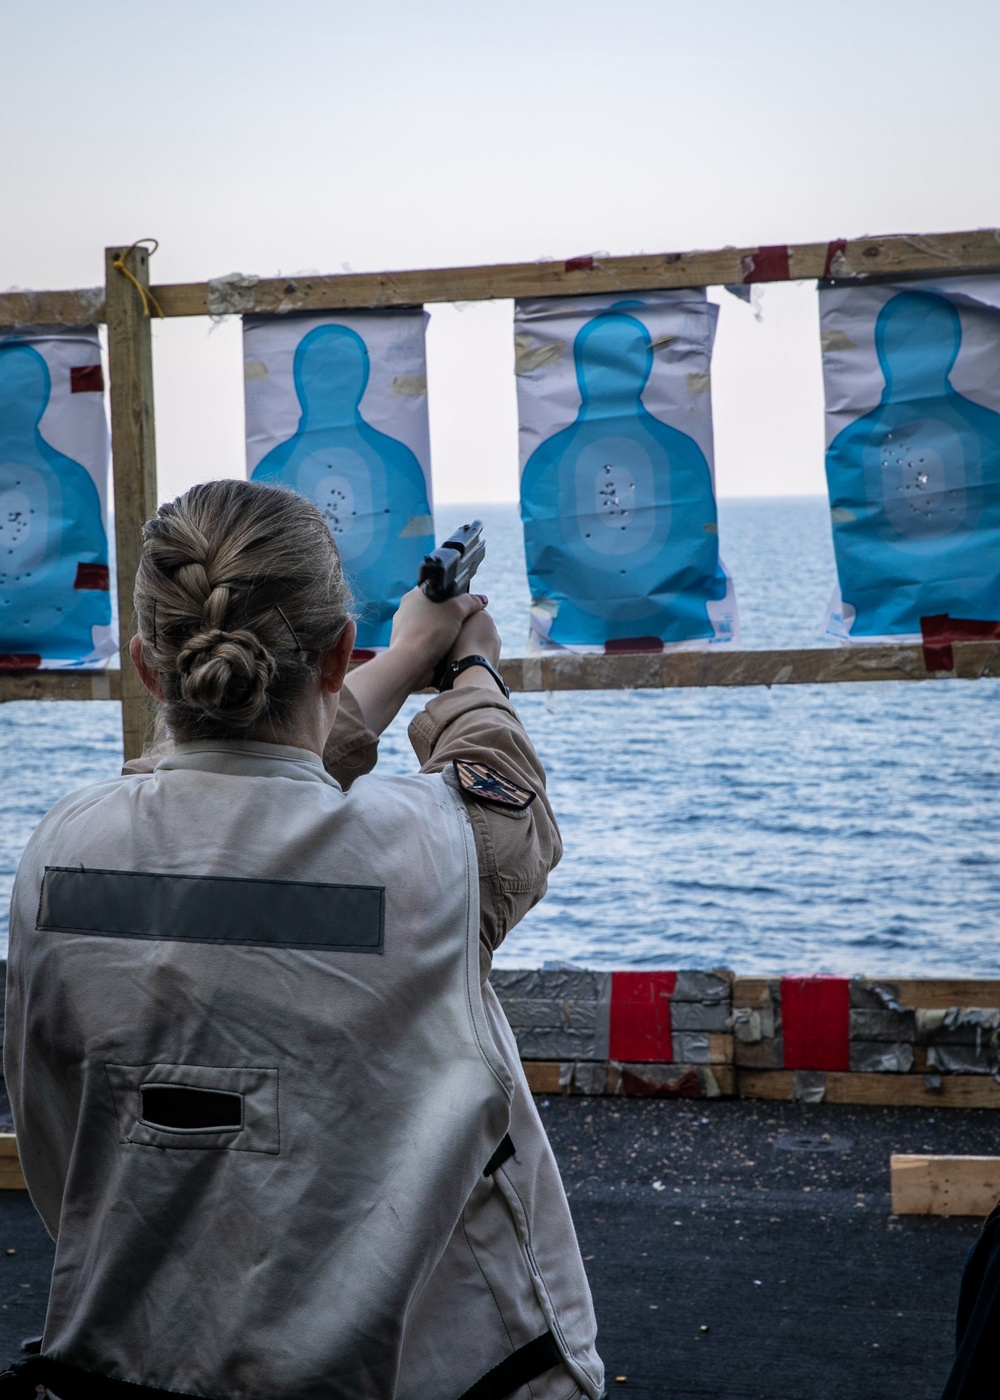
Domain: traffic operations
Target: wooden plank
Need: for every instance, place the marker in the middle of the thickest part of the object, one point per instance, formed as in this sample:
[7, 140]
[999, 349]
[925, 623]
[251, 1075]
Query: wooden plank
[81, 307]
[642, 1080]
[130, 360]
[11, 1178]
[543, 1076]
[757, 1054]
[720, 1048]
[754, 992]
[901, 1090]
[717, 667]
[939, 1185]
[677, 670]
[859, 259]
[60, 685]
[940, 993]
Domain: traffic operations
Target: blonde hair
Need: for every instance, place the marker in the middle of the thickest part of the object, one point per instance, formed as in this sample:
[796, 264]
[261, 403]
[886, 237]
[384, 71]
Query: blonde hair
[238, 594]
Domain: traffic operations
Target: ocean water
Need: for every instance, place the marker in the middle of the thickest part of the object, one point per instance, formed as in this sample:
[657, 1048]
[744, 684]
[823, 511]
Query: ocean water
[845, 829]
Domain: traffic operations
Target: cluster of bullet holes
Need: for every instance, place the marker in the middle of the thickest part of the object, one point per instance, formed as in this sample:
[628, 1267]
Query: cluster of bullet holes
[915, 476]
[609, 499]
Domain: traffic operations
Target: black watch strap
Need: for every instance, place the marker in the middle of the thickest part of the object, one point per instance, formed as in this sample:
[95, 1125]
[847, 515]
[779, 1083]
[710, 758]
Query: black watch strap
[444, 676]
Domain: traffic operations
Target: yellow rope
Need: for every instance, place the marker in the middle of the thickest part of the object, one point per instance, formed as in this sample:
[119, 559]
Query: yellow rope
[148, 300]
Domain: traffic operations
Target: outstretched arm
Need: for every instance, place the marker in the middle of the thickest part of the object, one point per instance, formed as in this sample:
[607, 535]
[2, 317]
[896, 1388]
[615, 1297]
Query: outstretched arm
[474, 722]
[422, 633]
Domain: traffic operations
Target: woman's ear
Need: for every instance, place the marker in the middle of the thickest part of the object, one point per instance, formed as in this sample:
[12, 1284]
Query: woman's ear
[333, 667]
[149, 677]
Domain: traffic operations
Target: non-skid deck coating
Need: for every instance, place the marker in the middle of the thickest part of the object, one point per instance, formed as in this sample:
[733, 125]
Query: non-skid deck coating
[769, 1224]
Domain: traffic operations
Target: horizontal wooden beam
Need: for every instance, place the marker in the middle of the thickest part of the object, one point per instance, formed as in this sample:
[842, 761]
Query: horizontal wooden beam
[11, 1178]
[811, 666]
[856, 259]
[71, 308]
[938, 1185]
[669, 671]
[898, 255]
[60, 685]
[900, 1090]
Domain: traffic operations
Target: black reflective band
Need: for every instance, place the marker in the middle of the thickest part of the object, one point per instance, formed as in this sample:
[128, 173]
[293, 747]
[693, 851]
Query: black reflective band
[521, 1366]
[505, 1150]
[213, 909]
[21, 1382]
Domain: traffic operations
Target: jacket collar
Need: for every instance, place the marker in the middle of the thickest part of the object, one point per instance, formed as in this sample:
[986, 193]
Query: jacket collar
[247, 756]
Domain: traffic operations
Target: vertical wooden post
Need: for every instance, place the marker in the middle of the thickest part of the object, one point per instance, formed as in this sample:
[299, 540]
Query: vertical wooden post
[133, 453]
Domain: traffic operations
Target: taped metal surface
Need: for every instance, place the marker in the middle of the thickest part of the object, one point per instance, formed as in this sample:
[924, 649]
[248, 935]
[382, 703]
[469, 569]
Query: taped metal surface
[693, 985]
[879, 1057]
[551, 984]
[751, 1024]
[583, 1078]
[809, 1086]
[874, 996]
[699, 1015]
[692, 1047]
[526, 1013]
[540, 1043]
[883, 1025]
[962, 1059]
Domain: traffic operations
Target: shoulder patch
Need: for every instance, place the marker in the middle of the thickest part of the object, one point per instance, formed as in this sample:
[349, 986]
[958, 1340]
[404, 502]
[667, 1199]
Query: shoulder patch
[481, 781]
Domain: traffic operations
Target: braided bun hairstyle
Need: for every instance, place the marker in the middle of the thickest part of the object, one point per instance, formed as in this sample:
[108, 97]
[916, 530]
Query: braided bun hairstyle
[238, 594]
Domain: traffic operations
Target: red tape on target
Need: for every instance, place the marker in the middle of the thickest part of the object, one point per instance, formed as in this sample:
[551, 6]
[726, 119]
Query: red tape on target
[640, 1016]
[815, 1022]
[86, 379]
[94, 576]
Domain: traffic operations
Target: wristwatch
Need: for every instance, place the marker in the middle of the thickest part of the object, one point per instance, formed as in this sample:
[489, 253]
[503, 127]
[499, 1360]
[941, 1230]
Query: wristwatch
[444, 676]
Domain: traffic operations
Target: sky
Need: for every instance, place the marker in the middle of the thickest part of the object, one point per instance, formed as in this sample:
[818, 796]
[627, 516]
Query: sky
[309, 136]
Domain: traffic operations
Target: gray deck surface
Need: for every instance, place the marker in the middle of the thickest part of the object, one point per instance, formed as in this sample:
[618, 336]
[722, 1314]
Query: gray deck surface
[769, 1224]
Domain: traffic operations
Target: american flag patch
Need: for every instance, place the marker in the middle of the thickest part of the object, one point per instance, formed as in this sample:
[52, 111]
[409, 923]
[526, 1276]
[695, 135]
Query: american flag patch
[481, 781]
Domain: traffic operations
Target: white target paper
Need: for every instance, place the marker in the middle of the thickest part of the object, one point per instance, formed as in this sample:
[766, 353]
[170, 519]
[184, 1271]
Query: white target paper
[55, 593]
[617, 491]
[336, 409]
[913, 453]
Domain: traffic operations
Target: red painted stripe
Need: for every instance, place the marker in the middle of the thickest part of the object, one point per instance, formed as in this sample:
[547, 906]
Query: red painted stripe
[640, 1016]
[938, 633]
[815, 1022]
[767, 264]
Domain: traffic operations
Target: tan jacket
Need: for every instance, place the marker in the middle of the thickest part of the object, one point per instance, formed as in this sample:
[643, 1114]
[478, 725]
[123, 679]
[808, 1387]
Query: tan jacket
[343, 1227]
[516, 850]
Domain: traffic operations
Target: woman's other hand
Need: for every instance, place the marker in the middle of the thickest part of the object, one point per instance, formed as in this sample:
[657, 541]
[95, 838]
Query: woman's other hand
[423, 633]
[478, 637]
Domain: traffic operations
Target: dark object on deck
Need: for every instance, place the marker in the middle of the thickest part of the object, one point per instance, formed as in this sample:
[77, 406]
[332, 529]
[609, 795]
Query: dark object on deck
[974, 1376]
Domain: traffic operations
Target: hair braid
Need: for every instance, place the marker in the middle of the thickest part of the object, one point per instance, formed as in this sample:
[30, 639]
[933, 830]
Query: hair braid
[239, 592]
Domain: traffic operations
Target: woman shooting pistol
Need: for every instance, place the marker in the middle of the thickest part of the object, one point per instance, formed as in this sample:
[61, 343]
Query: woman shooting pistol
[265, 1100]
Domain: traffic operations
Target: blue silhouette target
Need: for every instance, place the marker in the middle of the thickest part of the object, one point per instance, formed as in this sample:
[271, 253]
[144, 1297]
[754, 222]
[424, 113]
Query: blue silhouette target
[619, 508]
[915, 483]
[369, 486]
[54, 584]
